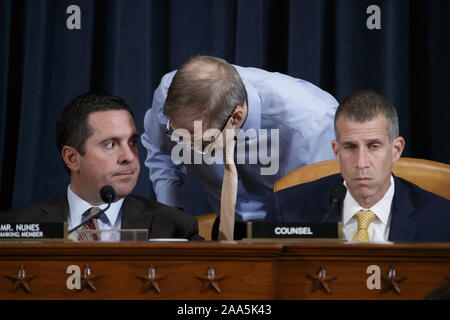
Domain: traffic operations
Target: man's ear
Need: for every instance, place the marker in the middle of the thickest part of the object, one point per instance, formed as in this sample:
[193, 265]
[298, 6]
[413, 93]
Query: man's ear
[335, 146]
[71, 158]
[238, 117]
[397, 148]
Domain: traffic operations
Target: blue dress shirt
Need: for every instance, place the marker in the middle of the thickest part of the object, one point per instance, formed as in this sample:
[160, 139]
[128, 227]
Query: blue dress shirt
[302, 112]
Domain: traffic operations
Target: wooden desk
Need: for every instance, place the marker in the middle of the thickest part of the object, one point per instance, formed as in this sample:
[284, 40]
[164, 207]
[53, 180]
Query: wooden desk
[241, 270]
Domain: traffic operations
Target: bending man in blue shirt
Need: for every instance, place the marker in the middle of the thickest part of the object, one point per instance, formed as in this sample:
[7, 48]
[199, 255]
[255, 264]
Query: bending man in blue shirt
[281, 123]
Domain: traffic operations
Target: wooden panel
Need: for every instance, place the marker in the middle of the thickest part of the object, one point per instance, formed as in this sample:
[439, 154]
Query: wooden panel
[426, 267]
[245, 280]
[422, 278]
[249, 270]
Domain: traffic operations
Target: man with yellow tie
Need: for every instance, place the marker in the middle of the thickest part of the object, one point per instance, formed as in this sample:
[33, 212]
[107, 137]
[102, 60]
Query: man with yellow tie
[378, 206]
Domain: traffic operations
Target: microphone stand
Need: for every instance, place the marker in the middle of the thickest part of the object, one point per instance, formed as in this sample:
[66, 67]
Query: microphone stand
[333, 204]
[337, 196]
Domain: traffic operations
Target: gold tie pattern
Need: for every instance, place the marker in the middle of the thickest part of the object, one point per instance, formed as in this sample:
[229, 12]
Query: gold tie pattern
[91, 225]
[364, 219]
[229, 194]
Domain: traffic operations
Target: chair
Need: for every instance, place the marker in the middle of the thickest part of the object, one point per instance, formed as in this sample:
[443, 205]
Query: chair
[429, 175]
[205, 225]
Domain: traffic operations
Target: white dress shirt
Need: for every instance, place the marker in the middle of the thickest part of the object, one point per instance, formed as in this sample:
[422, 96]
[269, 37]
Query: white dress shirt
[379, 228]
[78, 206]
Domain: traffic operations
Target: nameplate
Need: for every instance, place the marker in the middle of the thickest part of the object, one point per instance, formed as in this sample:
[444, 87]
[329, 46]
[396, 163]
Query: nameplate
[260, 229]
[32, 230]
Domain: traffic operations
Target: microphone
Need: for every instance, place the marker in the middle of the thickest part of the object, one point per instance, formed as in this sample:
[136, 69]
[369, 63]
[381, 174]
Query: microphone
[337, 195]
[108, 195]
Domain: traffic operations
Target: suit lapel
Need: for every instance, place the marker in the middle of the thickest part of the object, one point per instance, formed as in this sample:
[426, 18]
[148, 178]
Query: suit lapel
[403, 221]
[56, 209]
[132, 217]
[127, 213]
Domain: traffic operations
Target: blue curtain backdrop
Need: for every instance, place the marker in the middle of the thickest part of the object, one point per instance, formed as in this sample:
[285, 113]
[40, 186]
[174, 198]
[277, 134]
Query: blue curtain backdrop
[124, 47]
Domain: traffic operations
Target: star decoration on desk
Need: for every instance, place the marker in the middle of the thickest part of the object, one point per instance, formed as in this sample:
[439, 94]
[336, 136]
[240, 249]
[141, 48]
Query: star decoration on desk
[211, 280]
[321, 280]
[87, 279]
[21, 281]
[392, 282]
[151, 280]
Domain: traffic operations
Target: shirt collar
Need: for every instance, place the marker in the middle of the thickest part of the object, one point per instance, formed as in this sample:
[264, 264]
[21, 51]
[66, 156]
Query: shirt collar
[78, 206]
[382, 208]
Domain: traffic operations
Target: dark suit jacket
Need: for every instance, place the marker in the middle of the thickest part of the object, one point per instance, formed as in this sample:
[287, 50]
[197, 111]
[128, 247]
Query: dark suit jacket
[417, 215]
[137, 213]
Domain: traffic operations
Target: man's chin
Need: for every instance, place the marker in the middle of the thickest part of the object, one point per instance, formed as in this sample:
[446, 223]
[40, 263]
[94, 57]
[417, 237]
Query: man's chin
[362, 191]
[122, 191]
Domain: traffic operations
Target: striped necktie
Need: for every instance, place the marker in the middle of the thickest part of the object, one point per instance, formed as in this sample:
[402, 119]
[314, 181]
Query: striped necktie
[90, 225]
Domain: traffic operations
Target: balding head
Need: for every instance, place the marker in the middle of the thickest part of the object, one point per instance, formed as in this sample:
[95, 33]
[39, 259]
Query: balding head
[205, 88]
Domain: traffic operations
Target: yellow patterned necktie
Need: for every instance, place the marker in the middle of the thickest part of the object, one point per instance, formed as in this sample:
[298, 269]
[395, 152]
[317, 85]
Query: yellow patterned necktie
[364, 219]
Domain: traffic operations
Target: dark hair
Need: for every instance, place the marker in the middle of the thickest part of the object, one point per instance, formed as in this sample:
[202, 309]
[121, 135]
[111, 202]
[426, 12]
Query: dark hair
[72, 127]
[205, 87]
[365, 105]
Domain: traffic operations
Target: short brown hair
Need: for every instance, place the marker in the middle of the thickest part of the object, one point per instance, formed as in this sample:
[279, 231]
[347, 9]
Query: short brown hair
[365, 105]
[72, 126]
[207, 88]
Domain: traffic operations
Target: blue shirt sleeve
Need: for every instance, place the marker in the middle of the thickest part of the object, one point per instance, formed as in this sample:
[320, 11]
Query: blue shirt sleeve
[166, 177]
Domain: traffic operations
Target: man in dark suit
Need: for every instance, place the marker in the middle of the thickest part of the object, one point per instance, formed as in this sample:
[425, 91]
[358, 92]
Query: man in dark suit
[97, 139]
[377, 206]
